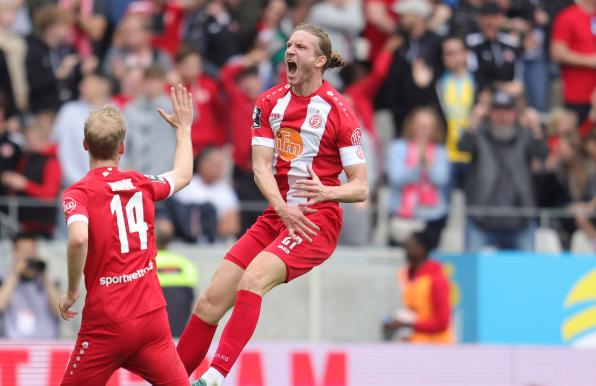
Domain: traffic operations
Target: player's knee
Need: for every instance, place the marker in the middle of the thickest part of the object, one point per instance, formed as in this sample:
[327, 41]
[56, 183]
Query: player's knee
[253, 283]
[209, 308]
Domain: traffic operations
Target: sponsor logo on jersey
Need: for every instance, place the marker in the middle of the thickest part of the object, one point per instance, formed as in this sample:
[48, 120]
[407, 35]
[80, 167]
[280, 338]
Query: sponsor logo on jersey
[288, 143]
[125, 184]
[69, 205]
[155, 178]
[315, 121]
[357, 137]
[256, 117]
[126, 277]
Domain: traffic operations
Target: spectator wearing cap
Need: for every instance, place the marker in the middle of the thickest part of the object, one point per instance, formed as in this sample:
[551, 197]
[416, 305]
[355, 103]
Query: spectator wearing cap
[416, 64]
[150, 141]
[574, 48]
[494, 53]
[502, 151]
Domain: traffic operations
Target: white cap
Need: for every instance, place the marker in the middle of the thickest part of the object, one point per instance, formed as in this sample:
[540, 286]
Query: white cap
[417, 7]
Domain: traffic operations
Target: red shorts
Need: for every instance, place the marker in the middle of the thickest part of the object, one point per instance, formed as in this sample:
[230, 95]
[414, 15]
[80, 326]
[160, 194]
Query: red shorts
[141, 345]
[269, 234]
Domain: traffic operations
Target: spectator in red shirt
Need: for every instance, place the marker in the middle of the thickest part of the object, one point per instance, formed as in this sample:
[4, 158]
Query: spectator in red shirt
[208, 128]
[242, 85]
[37, 177]
[574, 48]
[381, 21]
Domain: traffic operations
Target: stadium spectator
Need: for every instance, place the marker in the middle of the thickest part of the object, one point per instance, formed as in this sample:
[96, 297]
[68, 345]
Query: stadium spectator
[165, 20]
[456, 89]
[10, 145]
[569, 178]
[209, 29]
[52, 64]
[494, 53]
[208, 128]
[343, 21]
[208, 189]
[242, 85]
[560, 122]
[426, 316]
[381, 22]
[28, 297]
[274, 28]
[177, 277]
[589, 124]
[527, 20]
[130, 88]
[574, 49]
[502, 151]
[132, 49]
[418, 172]
[68, 127]
[90, 24]
[149, 141]
[439, 19]
[37, 177]
[416, 65]
[14, 48]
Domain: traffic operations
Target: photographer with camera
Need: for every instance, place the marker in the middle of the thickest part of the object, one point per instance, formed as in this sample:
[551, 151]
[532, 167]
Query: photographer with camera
[28, 297]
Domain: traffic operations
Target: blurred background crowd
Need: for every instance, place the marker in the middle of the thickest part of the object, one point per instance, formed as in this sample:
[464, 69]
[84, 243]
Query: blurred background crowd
[479, 116]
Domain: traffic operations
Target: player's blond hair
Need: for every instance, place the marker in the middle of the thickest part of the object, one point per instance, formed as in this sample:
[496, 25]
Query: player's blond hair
[104, 132]
[334, 59]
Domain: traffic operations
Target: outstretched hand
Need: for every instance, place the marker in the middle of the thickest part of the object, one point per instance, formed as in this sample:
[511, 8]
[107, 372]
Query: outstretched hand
[312, 189]
[182, 108]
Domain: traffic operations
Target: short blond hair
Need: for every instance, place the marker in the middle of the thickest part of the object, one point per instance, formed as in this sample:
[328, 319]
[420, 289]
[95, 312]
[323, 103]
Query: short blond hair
[104, 132]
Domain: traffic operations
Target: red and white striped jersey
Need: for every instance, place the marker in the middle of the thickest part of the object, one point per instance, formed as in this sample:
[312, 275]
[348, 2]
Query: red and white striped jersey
[320, 130]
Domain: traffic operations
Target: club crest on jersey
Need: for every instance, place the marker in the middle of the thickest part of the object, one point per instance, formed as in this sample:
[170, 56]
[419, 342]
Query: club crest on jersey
[288, 143]
[357, 137]
[315, 121]
[256, 117]
[68, 204]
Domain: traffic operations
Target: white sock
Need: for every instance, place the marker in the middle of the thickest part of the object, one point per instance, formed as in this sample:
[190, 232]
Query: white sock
[212, 376]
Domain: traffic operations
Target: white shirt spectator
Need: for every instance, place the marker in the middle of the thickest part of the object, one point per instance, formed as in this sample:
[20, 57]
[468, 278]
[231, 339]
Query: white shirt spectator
[220, 194]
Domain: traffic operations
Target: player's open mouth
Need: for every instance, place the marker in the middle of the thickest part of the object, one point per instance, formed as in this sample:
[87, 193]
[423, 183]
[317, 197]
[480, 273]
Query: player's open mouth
[292, 66]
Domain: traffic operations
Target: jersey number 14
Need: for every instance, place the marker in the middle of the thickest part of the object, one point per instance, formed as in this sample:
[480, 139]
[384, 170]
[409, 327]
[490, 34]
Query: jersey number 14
[136, 220]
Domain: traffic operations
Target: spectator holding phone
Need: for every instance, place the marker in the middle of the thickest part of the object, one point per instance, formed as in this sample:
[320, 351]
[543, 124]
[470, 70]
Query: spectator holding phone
[28, 297]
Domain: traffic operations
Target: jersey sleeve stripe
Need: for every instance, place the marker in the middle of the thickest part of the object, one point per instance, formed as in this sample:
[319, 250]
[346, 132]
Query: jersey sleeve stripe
[263, 141]
[168, 178]
[77, 217]
[349, 155]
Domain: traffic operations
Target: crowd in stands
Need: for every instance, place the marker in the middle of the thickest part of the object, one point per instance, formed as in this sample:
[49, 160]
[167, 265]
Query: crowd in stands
[468, 85]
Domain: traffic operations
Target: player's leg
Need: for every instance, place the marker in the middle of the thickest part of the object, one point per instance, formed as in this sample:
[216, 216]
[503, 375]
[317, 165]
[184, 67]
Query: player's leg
[221, 293]
[94, 358]
[156, 359]
[211, 306]
[264, 272]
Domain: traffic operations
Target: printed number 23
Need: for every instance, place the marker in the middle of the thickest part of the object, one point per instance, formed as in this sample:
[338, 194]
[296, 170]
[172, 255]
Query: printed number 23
[136, 220]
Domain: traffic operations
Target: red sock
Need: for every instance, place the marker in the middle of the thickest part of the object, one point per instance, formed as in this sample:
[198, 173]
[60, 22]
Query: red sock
[194, 343]
[238, 330]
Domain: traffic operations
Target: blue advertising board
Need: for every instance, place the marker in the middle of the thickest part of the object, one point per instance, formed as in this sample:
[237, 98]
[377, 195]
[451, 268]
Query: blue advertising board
[524, 298]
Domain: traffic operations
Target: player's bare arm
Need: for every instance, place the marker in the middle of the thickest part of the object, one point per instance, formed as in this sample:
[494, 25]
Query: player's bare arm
[76, 253]
[292, 216]
[180, 119]
[355, 190]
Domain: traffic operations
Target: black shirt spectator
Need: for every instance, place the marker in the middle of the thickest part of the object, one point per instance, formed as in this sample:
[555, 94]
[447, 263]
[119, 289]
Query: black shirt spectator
[494, 52]
[53, 70]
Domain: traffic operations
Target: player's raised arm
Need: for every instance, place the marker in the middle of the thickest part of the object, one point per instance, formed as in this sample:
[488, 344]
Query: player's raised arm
[181, 120]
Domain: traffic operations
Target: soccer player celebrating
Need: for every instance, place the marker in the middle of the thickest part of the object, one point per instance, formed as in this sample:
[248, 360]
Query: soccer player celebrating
[303, 135]
[110, 216]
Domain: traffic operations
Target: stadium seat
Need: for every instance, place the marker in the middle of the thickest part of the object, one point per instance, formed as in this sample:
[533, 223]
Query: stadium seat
[581, 244]
[546, 240]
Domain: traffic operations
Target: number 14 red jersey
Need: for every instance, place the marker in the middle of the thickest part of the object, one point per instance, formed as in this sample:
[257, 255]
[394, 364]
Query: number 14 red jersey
[120, 271]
